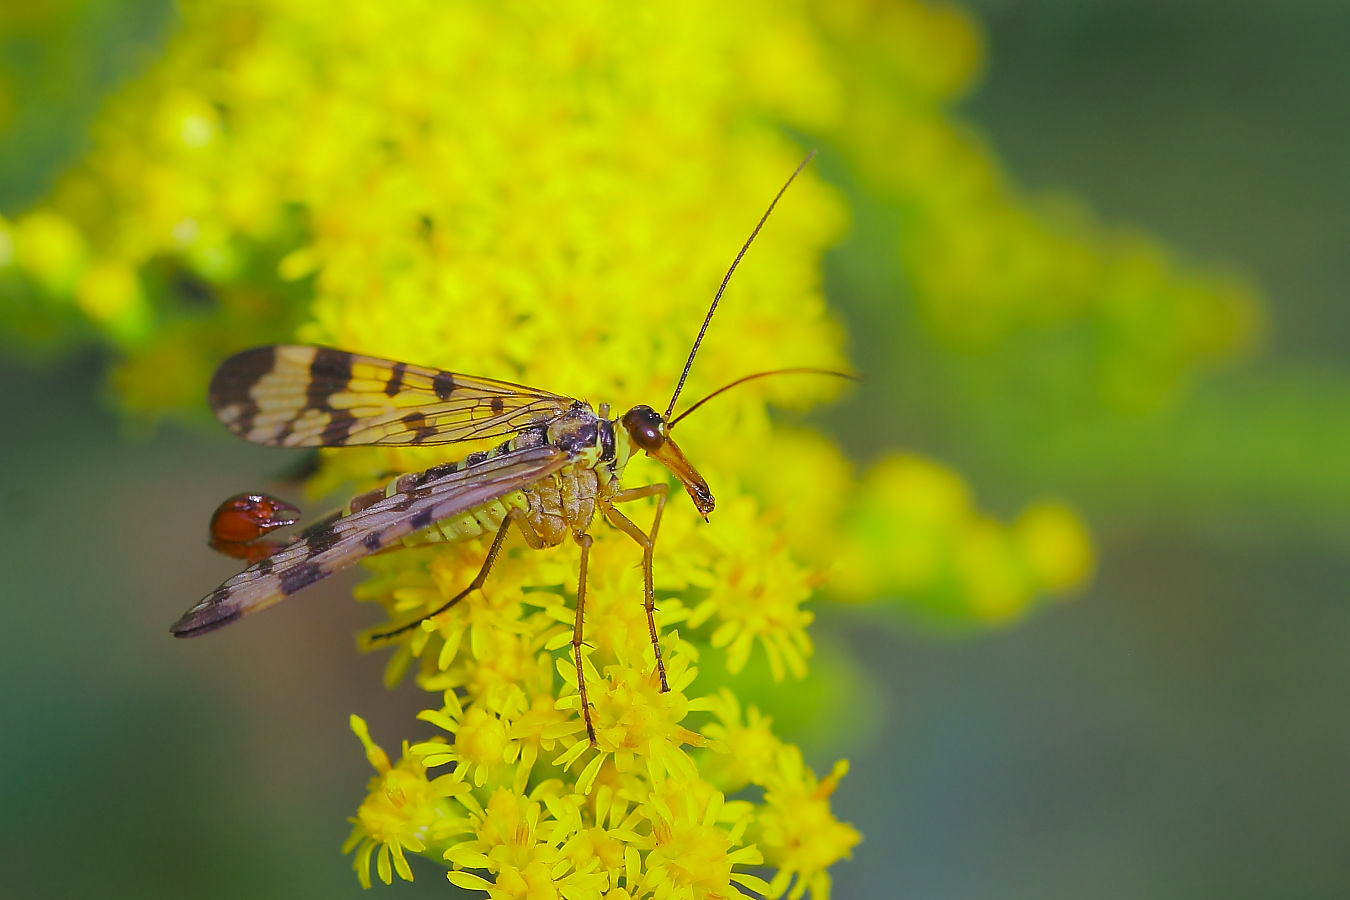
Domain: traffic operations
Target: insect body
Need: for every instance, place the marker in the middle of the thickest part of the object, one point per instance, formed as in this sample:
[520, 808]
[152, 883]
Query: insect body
[239, 524]
[561, 464]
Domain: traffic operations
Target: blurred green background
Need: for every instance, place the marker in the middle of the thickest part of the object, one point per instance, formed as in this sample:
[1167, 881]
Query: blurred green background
[1178, 731]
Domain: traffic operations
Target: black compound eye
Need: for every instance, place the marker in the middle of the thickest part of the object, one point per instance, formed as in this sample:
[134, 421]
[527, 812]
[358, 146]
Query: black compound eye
[644, 426]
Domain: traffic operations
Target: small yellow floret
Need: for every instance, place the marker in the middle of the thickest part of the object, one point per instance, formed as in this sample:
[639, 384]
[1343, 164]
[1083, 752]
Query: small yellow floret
[797, 830]
[402, 811]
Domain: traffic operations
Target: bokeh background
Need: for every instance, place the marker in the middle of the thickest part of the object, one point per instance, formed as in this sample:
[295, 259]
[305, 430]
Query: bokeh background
[1178, 729]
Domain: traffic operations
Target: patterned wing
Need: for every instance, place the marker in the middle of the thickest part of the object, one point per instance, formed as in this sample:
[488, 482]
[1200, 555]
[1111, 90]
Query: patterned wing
[340, 543]
[288, 395]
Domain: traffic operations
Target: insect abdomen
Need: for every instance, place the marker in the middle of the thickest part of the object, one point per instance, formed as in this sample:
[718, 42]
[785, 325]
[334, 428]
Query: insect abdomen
[485, 519]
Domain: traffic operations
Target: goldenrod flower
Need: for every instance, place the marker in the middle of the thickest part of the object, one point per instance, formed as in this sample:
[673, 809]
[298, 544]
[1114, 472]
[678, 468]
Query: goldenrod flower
[519, 841]
[757, 595]
[797, 831]
[745, 750]
[637, 725]
[403, 811]
[692, 847]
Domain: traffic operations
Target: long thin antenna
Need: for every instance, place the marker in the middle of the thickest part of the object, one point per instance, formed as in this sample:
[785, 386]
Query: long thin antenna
[734, 263]
[800, 370]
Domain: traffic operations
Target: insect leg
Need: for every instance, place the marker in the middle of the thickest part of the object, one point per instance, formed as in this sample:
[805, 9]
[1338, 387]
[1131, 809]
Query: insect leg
[514, 515]
[584, 541]
[646, 540]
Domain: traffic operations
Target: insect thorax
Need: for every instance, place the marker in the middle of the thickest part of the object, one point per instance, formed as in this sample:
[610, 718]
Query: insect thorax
[593, 441]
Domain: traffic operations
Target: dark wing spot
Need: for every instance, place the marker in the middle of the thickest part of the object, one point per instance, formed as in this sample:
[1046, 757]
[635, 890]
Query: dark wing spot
[474, 459]
[416, 424]
[321, 541]
[301, 576]
[373, 541]
[233, 382]
[421, 520]
[443, 383]
[329, 373]
[497, 404]
[338, 429]
[331, 365]
[238, 374]
[395, 379]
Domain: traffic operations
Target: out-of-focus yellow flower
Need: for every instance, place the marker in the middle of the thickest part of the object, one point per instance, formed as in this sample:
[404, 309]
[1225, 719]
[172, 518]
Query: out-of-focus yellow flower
[1055, 546]
[109, 292]
[914, 532]
[49, 248]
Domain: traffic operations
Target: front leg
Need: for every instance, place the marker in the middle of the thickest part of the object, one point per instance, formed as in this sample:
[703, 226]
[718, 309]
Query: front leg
[647, 540]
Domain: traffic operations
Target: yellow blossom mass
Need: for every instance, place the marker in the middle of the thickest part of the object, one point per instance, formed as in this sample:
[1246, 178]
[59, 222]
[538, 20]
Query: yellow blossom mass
[549, 193]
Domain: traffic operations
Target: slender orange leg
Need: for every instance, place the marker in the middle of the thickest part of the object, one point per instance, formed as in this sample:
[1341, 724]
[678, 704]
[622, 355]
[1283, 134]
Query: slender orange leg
[531, 538]
[647, 540]
[584, 541]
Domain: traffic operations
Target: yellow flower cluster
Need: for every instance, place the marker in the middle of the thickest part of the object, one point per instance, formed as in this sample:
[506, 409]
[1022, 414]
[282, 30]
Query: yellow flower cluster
[917, 518]
[909, 530]
[986, 264]
[549, 193]
[652, 794]
[659, 830]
